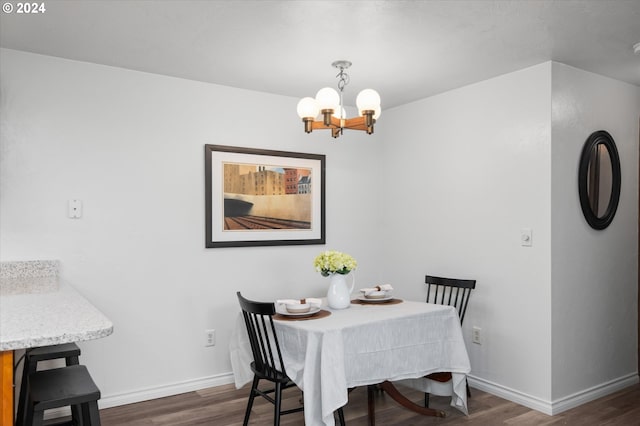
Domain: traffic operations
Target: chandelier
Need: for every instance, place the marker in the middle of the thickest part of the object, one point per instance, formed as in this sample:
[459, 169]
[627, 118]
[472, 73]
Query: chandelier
[328, 106]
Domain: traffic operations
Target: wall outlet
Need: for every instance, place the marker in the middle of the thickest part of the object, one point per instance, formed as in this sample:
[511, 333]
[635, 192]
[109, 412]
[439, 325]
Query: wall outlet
[476, 335]
[210, 337]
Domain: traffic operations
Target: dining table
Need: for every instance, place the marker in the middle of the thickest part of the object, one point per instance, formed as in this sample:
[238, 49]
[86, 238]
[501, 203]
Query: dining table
[335, 350]
[39, 309]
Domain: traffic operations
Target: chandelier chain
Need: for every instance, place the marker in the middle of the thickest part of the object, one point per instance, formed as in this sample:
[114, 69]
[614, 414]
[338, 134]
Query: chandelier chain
[344, 79]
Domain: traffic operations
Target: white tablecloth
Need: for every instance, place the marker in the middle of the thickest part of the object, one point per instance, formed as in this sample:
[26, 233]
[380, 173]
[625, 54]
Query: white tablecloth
[362, 345]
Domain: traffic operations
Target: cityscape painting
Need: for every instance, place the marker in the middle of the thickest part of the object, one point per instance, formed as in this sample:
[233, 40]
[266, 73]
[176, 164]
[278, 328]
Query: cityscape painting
[260, 197]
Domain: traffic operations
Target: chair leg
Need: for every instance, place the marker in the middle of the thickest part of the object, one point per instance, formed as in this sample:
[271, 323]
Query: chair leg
[278, 402]
[341, 416]
[252, 395]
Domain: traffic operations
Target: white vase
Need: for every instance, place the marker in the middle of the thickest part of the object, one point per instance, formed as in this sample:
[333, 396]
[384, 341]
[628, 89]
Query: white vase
[339, 294]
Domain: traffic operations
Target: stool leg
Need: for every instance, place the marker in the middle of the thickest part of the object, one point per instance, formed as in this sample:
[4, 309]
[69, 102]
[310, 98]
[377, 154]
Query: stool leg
[90, 413]
[38, 419]
[76, 416]
[72, 360]
[30, 418]
[27, 369]
[76, 411]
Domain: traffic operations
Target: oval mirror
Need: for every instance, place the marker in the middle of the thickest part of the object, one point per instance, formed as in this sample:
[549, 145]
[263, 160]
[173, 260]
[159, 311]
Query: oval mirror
[599, 179]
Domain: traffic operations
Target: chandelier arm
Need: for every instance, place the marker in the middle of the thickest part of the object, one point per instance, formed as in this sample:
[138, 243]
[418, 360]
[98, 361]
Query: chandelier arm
[355, 123]
[319, 125]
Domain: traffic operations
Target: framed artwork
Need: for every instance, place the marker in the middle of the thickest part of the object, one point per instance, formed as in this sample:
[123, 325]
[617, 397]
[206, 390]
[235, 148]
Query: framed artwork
[259, 197]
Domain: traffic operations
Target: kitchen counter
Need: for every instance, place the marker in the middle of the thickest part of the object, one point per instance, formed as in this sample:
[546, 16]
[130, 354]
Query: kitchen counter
[37, 309]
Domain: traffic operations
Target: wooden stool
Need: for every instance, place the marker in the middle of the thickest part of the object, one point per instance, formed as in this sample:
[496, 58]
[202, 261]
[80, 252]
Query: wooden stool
[61, 387]
[69, 351]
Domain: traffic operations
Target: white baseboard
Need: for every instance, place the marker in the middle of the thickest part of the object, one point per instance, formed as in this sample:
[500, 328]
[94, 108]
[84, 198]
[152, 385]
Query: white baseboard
[509, 394]
[559, 405]
[548, 407]
[108, 401]
[604, 389]
[140, 395]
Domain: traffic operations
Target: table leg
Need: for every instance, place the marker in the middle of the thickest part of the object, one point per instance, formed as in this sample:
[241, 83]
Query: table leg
[6, 388]
[389, 388]
[371, 404]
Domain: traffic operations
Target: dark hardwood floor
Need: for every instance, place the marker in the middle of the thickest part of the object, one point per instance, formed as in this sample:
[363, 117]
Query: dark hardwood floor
[224, 406]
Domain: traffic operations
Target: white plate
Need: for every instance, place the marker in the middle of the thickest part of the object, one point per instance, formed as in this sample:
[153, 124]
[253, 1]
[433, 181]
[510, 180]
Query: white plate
[298, 307]
[370, 300]
[283, 311]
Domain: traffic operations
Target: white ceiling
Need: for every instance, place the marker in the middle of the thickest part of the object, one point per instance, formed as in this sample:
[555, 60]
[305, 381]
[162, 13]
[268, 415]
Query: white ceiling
[406, 50]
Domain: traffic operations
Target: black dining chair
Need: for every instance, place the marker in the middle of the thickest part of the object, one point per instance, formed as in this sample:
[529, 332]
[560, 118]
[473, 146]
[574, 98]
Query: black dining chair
[453, 292]
[267, 358]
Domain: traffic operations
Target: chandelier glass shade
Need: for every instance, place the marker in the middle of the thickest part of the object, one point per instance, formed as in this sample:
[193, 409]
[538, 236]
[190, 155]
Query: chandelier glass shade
[326, 110]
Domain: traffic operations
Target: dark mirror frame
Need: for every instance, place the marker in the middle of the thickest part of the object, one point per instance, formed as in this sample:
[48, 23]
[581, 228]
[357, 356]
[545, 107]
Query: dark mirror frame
[596, 138]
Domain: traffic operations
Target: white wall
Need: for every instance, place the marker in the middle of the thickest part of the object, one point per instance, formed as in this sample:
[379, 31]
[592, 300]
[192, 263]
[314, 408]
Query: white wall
[468, 169]
[443, 187]
[130, 145]
[594, 273]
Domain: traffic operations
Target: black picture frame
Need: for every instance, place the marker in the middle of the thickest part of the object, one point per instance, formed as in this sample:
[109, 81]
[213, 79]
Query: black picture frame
[260, 197]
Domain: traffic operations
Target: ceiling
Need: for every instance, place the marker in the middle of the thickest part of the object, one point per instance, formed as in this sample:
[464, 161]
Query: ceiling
[407, 50]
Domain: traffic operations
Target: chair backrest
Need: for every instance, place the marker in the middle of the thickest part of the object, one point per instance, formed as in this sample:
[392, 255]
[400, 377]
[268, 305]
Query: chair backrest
[258, 317]
[450, 291]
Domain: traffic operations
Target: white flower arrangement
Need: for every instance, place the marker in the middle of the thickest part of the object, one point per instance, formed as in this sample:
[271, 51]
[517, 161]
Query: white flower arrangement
[334, 262]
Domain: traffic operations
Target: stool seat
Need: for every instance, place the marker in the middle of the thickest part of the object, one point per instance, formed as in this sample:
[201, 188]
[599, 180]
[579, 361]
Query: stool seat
[60, 387]
[45, 353]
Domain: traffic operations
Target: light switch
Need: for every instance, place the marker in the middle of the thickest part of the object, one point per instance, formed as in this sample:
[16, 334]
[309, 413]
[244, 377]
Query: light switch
[525, 237]
[75, 209]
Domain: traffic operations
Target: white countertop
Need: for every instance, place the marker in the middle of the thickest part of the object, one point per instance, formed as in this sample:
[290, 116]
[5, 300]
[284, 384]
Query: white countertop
[36, 309]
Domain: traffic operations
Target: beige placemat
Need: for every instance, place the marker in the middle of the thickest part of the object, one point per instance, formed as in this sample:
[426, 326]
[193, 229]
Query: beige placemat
[385, 302]
[321, 314]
